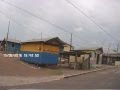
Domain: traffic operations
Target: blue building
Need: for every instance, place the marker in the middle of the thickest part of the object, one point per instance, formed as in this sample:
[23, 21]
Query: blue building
[11, 45]
[42, 51]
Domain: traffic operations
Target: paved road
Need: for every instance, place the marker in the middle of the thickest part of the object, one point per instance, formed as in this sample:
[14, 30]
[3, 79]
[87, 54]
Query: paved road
[109, 79]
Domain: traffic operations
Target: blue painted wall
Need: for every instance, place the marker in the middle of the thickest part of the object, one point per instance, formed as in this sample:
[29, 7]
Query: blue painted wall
[13, 47]
[40, 57]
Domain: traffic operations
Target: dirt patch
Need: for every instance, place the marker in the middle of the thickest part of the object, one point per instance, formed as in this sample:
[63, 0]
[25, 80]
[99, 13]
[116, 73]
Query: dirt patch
[15, 67]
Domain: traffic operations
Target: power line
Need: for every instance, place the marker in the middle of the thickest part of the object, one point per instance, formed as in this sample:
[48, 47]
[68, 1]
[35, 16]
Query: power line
[101, 28]
[36, 16]
[46, 21]
[17, 22]
[60, 28]
[22, 25]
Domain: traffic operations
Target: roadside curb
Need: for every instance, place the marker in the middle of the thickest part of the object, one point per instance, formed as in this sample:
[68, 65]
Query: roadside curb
[78, 74]
[61, 77]
[45, 80]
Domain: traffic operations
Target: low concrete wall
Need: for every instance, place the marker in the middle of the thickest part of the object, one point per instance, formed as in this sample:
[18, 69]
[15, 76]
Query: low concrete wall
[117, 63]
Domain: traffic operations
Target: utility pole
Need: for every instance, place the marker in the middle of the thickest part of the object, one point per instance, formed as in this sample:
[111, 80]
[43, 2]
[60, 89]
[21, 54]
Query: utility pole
[118, 47]
[108, 51]
[118, 50]
[103, 43]
[108, 48]
[7, 36]
[41, 35]
[71, 41]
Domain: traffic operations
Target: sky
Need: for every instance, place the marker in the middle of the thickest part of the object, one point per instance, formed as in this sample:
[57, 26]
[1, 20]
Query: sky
[24, 26]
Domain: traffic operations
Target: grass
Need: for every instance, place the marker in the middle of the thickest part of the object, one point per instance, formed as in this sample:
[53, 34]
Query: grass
[56, 72]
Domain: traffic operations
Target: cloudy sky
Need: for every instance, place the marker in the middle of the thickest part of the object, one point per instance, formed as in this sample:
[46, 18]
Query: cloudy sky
[25, 26]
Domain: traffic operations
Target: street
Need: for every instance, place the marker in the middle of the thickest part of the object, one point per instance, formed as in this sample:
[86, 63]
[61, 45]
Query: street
[108, 79]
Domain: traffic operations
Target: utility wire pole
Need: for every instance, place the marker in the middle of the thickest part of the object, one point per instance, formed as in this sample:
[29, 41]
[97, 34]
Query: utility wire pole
[71, 41]
[7, 36]
[41, 35]
[108, 51]
[118, 47]
[103, 43]
[118, 50]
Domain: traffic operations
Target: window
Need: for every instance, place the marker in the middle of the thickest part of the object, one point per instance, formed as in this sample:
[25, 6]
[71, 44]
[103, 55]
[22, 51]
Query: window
[13, 45]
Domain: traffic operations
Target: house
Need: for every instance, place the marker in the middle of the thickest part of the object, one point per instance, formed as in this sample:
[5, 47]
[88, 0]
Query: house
[10, 45]
[94, 54]
[111, 59]
[68, 47]
[42, 51]
[75, 59]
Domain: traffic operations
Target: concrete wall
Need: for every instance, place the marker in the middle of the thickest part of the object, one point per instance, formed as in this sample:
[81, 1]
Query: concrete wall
[80, 59]
[117, 63]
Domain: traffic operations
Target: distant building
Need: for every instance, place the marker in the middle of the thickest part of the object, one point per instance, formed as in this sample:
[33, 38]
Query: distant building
[67, 47]
[10, 45]
[42, 51]
[84, 58]
[111, 59]
[95, 56]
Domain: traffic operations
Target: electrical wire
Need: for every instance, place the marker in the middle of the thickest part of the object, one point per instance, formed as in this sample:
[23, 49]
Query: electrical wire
[60, 28]
[99, 26]
[18, 23]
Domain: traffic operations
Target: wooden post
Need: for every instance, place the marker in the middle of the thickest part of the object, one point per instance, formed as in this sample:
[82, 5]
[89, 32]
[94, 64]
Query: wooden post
[71, 43]
[7, 37]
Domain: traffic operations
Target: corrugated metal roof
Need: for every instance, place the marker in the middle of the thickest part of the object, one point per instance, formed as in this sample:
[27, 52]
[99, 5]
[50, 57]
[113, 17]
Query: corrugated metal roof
[13, 40]
[36, 40]
[68, 45]
[44, 40]
[112, 55]
[90, 48]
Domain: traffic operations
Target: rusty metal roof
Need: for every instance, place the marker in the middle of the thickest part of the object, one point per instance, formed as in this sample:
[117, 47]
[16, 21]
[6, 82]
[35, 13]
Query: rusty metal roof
[13, 40]
[45, 40]
[90, 48]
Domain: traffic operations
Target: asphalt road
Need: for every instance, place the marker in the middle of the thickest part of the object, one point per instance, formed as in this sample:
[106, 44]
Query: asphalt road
[108, 79]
